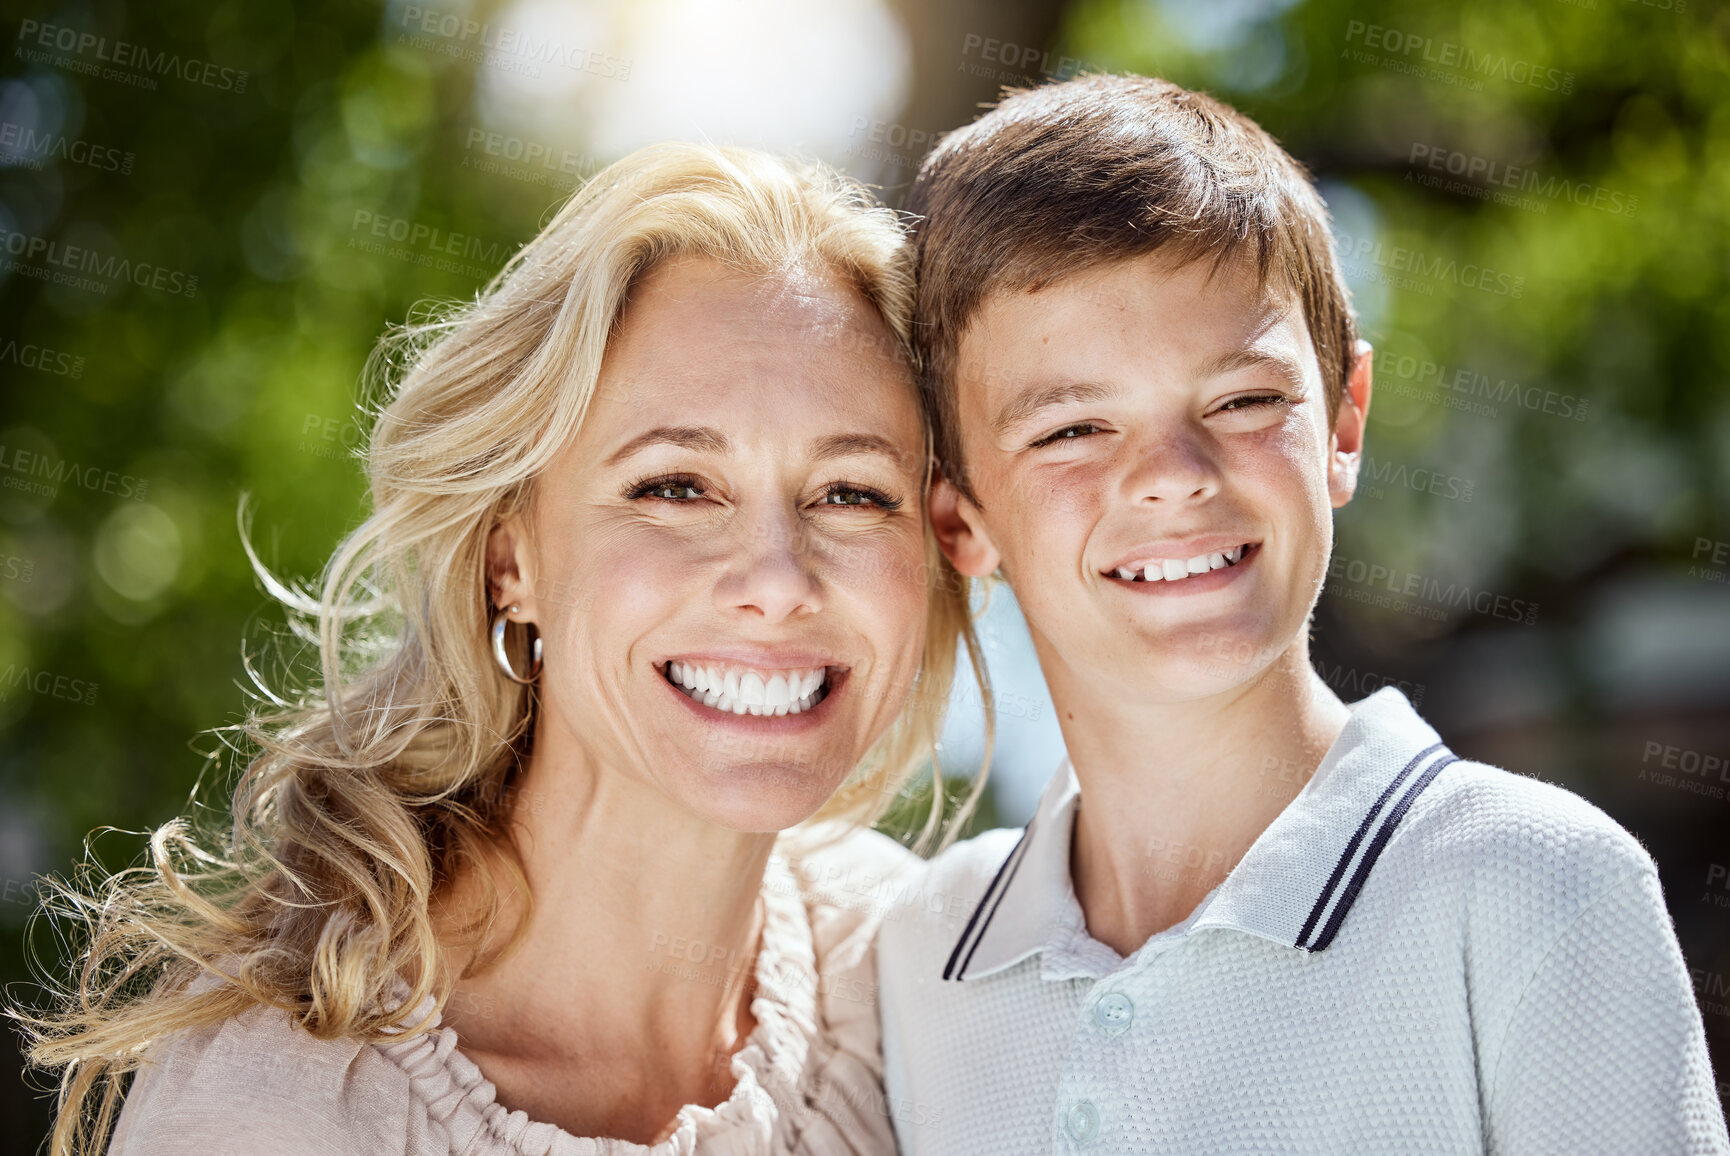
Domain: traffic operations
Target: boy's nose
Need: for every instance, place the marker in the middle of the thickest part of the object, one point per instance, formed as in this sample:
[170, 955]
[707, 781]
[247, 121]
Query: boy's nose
[1174, 467]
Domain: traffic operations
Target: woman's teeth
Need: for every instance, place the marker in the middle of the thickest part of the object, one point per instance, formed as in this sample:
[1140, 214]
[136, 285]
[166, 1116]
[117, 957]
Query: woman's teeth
[1171, 570]
[742, 690]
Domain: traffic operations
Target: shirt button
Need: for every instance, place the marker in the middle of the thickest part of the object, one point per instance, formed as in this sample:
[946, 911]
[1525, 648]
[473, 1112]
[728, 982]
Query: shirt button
[1113, 1012]
[1082, 1122]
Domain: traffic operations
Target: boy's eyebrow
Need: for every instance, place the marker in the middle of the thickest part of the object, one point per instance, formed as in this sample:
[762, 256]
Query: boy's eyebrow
[690, 437]
[1030, 401]
[1235, 359]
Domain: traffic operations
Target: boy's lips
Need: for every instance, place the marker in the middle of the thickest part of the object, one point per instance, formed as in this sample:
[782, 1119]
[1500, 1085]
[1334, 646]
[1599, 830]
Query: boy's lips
[1173, 558]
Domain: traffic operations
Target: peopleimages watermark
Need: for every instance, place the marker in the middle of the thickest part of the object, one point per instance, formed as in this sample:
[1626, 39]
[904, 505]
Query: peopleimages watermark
[1446, 61]
[89, 54]
[1020, 61]
[1470, 390]
[1377, 476]
[1387, 263]
[1717, 885]
[37, 473]
[87, 267]
[505, 49]
[1488, 179]
[1717, 556]
[48, 684]
[1684, 769]
[417, 243]
[328, 437]
[41, 358]
[891, 141]
[532, 162]
[1378, 584]
[21, 146]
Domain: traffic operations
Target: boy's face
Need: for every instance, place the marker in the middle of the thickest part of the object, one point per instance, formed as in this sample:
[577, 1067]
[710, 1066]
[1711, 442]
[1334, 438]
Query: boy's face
[1146, 419]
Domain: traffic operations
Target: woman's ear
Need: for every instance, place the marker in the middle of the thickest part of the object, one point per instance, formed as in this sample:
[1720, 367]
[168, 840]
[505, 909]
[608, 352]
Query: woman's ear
[960, 530]
[1346, 446]
[510, 568]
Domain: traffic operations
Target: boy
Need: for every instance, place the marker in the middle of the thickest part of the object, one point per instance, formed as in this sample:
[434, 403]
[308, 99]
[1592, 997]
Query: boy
[1245, 917]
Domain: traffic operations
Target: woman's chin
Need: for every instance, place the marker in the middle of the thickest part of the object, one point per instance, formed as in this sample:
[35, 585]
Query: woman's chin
[758, 797]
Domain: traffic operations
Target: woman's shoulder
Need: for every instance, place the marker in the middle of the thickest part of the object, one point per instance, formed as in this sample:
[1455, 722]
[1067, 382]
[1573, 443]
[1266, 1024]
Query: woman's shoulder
[256, 1082]
[847, 880]
[849, 877]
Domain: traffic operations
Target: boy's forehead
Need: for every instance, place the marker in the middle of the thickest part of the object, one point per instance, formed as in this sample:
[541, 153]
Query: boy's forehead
[1152, 306]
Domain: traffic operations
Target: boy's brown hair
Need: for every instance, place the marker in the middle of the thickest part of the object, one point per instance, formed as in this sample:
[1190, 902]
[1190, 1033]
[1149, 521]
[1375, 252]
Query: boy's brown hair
[1100, 169]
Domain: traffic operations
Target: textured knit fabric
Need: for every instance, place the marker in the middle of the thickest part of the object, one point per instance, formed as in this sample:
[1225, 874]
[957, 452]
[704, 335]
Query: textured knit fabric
[808, 1079]
[1487, 965]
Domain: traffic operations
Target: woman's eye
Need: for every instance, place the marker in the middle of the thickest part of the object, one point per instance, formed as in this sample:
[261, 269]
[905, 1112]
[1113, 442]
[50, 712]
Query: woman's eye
[842, 495]
[1069, 433]
[667, 489]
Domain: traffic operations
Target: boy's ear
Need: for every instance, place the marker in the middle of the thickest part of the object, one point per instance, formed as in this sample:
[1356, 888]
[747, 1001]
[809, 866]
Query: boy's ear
[510, 577]
[1346, 446]
[960, 530]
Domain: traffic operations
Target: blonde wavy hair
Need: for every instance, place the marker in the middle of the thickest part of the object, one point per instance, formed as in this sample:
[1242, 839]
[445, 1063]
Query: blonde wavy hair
[363, 796]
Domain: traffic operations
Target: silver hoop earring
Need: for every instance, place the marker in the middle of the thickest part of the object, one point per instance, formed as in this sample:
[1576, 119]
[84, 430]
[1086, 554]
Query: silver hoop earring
[504, 660]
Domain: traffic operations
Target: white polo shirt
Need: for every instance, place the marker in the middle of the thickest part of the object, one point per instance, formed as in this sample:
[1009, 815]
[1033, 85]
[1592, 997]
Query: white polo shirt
[1420, 954]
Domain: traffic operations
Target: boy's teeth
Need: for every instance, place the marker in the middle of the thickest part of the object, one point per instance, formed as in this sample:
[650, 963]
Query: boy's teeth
[1171, 570]
[743, 691]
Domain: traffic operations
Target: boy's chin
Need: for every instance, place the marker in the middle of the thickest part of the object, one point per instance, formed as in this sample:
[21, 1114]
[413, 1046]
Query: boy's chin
[1201, 663]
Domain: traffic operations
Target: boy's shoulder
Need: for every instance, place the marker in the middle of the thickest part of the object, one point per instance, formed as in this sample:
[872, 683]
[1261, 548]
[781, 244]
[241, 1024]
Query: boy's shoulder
[1518, 860]
[1499, 820]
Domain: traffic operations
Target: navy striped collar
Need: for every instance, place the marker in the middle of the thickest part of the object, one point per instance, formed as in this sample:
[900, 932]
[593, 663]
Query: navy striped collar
[1295, 885]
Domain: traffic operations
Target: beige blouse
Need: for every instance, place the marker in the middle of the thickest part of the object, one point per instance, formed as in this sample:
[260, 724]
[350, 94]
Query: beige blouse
[809, 1078]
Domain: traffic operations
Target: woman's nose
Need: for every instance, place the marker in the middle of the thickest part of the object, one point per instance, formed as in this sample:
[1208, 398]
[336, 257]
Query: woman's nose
[772, 572]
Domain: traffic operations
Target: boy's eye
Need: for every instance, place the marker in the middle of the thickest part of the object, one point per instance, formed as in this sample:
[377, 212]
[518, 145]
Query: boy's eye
[679, 488]
[1080, 429]
[841, 494]
[1253, 400]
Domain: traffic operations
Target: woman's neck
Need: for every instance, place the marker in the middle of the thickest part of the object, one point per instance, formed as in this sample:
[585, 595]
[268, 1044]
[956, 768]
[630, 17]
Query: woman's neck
[630, 986]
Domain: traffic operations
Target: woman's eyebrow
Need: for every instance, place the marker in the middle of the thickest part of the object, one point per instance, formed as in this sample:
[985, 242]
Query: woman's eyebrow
[848, 444]
[690, 437]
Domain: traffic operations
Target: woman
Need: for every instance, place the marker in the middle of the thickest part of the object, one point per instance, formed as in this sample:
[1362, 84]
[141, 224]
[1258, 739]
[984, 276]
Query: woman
[645, 585]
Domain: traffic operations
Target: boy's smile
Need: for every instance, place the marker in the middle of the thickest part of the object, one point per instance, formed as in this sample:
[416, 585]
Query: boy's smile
[1156, 472]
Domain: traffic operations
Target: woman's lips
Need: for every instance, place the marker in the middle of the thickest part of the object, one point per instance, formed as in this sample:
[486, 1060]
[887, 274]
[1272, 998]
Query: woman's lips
[750, 690]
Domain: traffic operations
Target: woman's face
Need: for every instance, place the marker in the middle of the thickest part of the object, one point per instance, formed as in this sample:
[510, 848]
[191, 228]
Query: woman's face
[726, 564]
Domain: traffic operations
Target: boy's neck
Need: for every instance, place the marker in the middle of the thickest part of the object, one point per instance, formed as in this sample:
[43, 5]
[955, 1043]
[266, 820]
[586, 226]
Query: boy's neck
[1174, 793]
